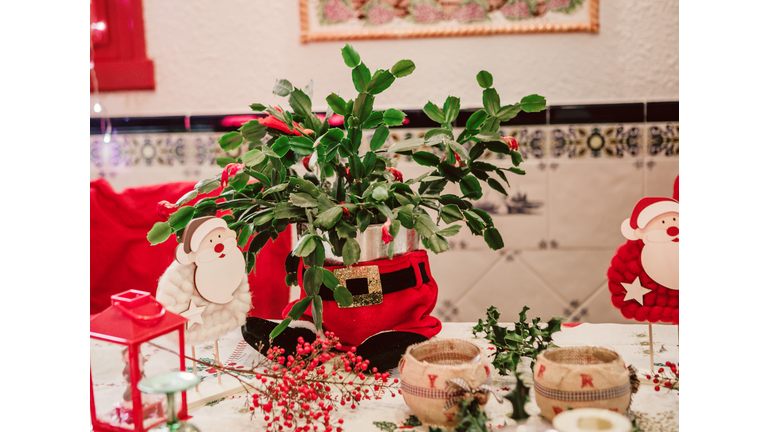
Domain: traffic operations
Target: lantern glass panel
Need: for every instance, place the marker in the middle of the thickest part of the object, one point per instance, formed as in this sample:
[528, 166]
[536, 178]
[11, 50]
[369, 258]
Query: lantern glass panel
[111, 374]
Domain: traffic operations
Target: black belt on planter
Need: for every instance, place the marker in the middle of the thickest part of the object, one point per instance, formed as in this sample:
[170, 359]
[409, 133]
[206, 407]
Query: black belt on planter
[368, 286]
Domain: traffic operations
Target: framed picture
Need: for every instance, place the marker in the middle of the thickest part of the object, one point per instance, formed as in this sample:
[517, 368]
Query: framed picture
[324, 20]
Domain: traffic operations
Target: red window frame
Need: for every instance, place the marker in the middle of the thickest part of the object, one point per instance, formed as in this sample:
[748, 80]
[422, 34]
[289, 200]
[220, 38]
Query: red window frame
[119, 52]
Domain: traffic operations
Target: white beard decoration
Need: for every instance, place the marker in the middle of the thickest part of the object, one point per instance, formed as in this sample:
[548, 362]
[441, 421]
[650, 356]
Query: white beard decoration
[176, 289]
[661, 259]
[218, 275]
[207, 283]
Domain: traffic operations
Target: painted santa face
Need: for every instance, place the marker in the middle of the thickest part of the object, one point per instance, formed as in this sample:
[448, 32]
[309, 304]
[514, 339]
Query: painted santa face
[661, 229]
[216, 245]
[660, 257]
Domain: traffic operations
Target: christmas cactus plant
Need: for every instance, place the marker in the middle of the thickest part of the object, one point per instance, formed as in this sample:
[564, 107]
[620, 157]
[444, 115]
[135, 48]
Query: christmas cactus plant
[351, 185]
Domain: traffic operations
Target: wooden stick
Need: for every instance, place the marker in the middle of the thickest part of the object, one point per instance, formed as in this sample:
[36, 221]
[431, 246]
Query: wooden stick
[218, 362]
[194, 367]
[650, 335]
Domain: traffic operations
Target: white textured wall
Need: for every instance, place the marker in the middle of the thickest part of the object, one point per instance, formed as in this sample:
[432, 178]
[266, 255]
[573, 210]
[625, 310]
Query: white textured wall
[214, 57]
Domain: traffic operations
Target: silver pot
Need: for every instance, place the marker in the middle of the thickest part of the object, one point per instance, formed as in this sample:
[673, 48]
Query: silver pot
[371, 246]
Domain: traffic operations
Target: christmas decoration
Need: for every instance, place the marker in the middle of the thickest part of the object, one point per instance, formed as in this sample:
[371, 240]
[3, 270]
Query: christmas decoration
[351, 189]
[437, 374]
[581, 377]
[125, 340]
[298, 392]
[643, 277]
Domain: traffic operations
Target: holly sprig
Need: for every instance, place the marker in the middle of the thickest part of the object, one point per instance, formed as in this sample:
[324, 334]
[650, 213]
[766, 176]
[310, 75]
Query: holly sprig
[526, 340]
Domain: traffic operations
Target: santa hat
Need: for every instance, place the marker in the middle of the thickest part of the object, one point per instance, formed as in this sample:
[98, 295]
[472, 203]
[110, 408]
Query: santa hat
[645, 210]
[194, 234]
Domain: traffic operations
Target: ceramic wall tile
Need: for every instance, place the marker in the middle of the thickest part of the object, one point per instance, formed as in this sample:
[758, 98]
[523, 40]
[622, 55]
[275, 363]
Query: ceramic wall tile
[662, 164]
[599, 309]
[600, 141]
[589, 200]
[456, 272]
[573, 275]
[509, 285]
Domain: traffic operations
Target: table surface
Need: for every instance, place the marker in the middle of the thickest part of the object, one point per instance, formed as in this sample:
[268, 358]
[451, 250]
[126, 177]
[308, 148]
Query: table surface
[654, 411]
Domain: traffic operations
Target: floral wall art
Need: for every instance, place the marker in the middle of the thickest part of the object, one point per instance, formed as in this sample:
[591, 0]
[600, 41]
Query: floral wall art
[323, 20]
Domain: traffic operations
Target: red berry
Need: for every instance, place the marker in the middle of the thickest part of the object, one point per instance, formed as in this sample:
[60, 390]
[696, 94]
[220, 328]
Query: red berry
[656, 388]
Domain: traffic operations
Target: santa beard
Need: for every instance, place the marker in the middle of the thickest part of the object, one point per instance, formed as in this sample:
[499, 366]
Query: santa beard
[661, 259]
[216, 277]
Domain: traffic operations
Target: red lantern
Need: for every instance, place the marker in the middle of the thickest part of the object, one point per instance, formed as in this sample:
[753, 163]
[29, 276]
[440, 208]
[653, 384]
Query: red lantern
[134, 338]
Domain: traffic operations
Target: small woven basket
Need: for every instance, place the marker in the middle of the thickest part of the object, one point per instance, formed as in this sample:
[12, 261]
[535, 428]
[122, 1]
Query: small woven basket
[581, 377]
[427, 367]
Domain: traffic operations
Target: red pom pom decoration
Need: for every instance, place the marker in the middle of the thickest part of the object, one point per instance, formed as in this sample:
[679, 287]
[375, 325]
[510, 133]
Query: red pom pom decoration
[660, 304]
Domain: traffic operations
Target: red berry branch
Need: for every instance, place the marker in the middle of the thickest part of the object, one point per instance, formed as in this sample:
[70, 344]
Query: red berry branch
[297, 393]
[671, 381]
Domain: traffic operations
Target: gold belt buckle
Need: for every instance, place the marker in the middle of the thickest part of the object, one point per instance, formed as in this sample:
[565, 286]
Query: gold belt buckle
[371, 273]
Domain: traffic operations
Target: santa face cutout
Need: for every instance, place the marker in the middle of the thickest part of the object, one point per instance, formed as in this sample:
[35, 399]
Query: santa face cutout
[656, 221]
[212, 247]
[644, 274]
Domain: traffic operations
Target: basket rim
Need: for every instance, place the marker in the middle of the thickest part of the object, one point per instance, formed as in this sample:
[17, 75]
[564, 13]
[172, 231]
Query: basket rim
[475, 360]
[545, 356]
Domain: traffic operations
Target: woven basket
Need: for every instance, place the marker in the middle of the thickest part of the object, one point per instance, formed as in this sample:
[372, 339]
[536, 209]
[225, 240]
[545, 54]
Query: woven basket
[580, 377]
[427, 367]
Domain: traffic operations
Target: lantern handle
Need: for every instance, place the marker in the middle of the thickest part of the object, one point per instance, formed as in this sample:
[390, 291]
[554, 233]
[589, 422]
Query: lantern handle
[142, 319]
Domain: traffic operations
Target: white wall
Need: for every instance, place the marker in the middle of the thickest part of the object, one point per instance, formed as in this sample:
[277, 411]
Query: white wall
[214, 57]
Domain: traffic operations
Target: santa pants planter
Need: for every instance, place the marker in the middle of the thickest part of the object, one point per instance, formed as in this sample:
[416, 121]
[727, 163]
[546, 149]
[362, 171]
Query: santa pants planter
[408, 294]
[391, 305]
[581, 377]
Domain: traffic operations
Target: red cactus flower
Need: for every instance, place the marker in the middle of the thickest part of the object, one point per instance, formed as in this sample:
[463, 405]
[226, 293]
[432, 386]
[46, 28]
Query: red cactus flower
[398, 175]
[164, 210]
[346, 173]
[386, 237]
[305, 162]
[272, 122]
[458, 163]
[345, 210]
[511, 142]
[229, 172]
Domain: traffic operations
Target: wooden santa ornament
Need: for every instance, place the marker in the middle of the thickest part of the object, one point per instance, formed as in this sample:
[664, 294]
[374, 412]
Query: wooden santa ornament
[644, 277]
[644, 273]
[207, 283]
[219, 264]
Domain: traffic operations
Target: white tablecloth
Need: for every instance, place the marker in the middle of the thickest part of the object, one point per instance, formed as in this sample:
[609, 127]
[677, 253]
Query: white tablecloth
[655, 411]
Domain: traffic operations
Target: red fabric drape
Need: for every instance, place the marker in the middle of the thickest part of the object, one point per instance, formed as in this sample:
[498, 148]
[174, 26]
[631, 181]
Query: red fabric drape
[122, 258]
